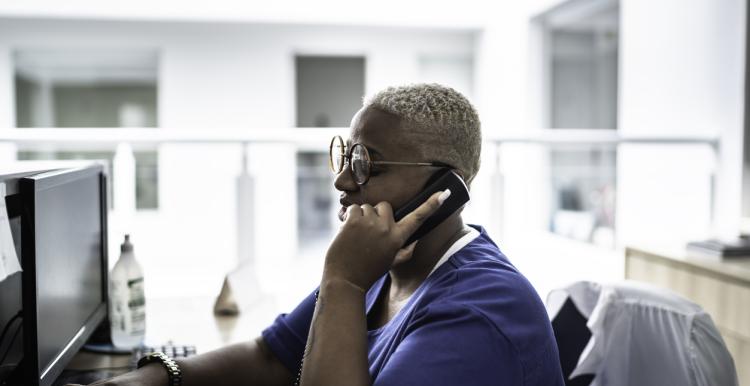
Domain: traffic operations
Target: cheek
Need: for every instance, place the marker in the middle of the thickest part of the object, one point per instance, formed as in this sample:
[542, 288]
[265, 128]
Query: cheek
[396, 190]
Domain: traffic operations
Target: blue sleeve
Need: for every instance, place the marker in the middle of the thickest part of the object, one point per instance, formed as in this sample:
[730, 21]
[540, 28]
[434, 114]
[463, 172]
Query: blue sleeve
[287, 336]
[452, 344]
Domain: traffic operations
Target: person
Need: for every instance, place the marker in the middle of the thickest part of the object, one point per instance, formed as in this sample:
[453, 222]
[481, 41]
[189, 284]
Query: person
[448, 309]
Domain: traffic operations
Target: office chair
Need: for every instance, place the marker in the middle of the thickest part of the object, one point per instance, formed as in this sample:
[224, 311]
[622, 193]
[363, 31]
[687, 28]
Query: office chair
[630, 333]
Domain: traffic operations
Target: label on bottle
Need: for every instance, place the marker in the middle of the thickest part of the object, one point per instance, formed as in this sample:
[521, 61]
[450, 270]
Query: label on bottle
[128, 311]
[137, 306]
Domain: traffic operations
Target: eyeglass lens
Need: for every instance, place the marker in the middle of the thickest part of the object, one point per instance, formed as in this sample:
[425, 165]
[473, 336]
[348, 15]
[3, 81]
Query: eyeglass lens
[360, 163]
[360, 159]
[336, 156]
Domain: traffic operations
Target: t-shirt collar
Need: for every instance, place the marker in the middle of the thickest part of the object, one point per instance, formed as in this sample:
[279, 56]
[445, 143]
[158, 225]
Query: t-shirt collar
[457, 246]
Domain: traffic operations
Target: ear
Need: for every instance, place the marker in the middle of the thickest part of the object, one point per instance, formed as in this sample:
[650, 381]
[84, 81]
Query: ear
[463, 177]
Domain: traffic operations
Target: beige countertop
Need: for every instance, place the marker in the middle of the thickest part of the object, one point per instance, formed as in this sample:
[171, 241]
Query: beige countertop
[737, 268]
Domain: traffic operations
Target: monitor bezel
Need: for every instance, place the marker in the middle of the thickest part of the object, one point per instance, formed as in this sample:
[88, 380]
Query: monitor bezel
[29, 187]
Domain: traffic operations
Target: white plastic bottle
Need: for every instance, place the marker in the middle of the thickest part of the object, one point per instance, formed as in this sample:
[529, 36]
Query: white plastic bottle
[127, 302]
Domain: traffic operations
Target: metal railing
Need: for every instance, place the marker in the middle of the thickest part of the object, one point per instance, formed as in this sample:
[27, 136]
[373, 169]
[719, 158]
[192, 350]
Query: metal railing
[124, 140]
[308, 136]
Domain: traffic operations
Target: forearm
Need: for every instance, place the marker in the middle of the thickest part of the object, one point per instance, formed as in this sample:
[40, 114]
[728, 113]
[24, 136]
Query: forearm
[247, 363]
[336, 352]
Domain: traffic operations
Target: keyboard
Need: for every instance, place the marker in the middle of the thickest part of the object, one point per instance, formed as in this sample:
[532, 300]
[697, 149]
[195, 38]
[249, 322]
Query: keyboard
[172, 350]
[85, 377]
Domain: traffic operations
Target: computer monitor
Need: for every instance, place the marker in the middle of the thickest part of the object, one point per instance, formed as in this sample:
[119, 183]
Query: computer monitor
[63, 228]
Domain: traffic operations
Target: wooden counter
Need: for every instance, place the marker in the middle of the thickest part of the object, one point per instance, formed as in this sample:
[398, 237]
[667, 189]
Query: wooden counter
[721, 287]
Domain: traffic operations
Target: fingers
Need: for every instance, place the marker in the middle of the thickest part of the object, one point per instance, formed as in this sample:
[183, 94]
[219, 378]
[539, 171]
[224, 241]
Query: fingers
[413, 220]
[385, 211]
[368, 210]
[352, 212]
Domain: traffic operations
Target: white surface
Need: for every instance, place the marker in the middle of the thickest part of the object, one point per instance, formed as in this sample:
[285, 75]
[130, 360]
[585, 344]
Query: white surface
[232, 79]
[645, 335]
[9, 263]
[679, 75]
[681, 71]
[386, 12]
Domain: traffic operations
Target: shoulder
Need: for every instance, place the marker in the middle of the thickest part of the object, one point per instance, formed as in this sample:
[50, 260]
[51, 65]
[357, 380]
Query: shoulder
[480, 276]
[480, 282]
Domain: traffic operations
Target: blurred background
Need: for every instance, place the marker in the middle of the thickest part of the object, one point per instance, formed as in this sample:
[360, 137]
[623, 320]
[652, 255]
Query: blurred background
[606, 123]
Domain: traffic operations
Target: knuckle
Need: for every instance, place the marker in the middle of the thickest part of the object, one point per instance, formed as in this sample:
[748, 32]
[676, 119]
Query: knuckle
[420, 216]
[384, 205]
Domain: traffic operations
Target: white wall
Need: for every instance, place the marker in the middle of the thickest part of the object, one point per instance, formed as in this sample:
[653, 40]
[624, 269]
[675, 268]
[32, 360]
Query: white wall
[226, 77]
[681, 72]
[7, 108]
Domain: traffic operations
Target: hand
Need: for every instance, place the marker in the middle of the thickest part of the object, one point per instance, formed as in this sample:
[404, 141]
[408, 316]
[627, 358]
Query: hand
[369, 241]
[149, 375]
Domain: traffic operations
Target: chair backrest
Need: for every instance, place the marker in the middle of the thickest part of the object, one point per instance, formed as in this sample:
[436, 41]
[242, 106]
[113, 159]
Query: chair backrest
[631, 333]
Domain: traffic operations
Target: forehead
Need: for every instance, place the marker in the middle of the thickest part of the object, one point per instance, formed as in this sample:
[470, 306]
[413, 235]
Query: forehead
[382, 133]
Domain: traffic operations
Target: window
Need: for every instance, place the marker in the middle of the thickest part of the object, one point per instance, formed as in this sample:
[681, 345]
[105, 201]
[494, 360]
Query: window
[580, 59]
[146, 180]
[746, 138]
[329, 92]
[107, 156]
[453, 71]
[315, 198]
[583, 82]
[583, 194]
[90, 88]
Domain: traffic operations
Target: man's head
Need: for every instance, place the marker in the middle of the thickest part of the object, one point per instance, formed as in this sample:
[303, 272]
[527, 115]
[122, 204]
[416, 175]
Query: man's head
[439, 119]
[422, 123]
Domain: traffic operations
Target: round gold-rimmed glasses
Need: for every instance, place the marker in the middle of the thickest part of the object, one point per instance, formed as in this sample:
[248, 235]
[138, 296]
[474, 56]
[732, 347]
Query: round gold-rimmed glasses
[359, 160]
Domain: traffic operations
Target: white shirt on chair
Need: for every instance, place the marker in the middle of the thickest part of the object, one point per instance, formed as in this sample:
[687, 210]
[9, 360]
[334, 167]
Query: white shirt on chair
[644, 335]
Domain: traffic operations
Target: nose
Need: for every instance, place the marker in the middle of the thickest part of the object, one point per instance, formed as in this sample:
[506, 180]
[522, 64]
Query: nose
[344, 181]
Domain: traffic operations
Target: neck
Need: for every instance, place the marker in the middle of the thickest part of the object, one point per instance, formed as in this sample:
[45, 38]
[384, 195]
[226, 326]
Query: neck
[407, 276]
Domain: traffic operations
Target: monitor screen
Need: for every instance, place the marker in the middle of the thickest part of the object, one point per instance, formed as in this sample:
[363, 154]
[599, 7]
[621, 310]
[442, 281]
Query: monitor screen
[64, 255]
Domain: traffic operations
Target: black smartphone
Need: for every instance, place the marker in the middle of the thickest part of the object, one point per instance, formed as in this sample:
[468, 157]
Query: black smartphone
[441, 180]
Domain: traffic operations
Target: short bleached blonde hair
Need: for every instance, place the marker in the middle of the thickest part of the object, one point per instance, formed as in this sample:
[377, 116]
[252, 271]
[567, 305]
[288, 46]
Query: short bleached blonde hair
[446, 120]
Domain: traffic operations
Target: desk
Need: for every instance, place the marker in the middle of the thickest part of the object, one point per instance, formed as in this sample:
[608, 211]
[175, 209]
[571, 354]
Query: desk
[722, 288]
[188, 321]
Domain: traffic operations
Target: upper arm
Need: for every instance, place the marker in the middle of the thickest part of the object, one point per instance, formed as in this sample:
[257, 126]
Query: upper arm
[286, 337]
[278, 374]
[452, 346]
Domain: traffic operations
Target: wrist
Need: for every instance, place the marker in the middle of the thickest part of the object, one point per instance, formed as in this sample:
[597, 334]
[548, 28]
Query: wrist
[152, 374]
[167, 364]
[339, 285]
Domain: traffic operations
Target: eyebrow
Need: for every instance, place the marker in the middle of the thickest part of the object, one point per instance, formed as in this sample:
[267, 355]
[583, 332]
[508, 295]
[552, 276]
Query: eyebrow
[374, 152]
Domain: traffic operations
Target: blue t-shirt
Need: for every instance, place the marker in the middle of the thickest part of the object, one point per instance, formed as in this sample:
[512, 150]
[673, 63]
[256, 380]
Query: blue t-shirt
[474, 321]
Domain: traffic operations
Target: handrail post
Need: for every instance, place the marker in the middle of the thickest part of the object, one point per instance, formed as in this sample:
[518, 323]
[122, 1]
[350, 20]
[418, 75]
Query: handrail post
[245, 213]
[124, 185]
[241, 289]
[497, 194]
